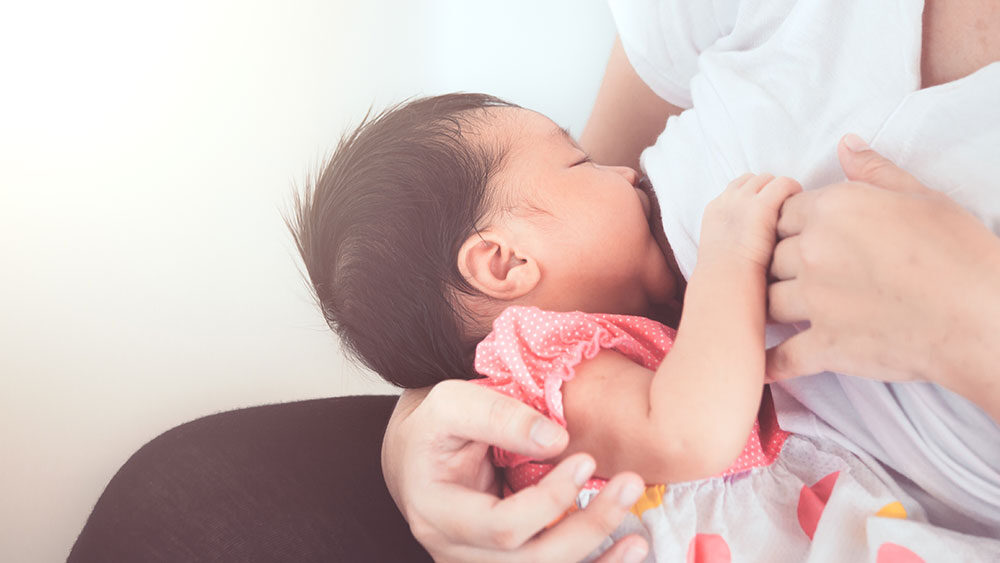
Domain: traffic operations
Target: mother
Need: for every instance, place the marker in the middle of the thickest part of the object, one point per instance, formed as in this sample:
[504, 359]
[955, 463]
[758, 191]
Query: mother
[898, 283]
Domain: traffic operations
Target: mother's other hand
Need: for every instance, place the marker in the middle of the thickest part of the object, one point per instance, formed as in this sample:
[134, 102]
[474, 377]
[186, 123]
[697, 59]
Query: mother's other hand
[896, 280]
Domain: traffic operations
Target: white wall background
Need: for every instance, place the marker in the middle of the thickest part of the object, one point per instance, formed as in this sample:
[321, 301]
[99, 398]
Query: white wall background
[146, 150]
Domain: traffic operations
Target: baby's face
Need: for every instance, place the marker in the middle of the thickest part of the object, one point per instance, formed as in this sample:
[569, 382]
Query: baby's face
[587, 225]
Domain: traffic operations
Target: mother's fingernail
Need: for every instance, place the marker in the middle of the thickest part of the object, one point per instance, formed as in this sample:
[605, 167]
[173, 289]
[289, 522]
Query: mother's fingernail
[635, 554]
[583, 472]
[629, 494]
[855, 143]
[545, 433]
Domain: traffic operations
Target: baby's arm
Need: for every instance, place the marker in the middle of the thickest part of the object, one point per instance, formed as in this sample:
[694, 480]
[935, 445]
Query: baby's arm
[691, 417]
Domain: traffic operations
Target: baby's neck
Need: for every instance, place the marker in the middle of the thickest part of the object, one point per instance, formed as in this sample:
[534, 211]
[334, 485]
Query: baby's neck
[666, 313]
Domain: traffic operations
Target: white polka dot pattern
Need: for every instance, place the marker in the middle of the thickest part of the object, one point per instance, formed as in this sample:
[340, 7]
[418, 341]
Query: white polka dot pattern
[531, 352]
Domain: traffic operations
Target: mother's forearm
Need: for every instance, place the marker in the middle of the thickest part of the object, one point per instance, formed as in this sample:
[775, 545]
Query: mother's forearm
[627, 115]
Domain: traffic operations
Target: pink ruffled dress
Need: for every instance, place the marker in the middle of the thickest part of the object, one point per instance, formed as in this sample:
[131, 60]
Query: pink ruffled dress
[778, 501]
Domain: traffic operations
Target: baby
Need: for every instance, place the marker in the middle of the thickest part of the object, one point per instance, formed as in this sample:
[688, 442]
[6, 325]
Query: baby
[461, 236]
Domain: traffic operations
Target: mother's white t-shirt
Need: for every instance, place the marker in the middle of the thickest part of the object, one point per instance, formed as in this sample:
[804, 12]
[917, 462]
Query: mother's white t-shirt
[772, 86]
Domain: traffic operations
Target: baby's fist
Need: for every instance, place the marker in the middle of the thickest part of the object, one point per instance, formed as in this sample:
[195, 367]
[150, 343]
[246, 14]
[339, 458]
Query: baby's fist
[741, 222]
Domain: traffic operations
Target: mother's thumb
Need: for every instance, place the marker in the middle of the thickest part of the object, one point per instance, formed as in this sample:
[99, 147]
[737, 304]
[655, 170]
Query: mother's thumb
[862, 164]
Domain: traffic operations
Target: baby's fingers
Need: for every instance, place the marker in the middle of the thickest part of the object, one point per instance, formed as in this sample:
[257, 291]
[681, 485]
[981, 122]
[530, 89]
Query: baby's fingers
[754, 183]
[737, 183]
[778, 190]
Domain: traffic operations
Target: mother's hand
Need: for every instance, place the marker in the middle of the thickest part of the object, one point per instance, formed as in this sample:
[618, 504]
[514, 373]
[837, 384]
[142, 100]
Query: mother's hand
[436, 466]
[896, 280]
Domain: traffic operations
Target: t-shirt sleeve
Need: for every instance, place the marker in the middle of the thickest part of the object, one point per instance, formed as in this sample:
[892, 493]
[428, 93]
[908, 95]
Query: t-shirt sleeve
[664, 38]
[531, 352]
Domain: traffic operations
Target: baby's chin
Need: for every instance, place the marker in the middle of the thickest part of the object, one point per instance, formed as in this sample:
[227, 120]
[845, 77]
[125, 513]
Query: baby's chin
[653, 217]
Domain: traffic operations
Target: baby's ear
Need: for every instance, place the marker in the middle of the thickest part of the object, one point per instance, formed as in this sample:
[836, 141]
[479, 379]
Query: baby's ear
[493, 266]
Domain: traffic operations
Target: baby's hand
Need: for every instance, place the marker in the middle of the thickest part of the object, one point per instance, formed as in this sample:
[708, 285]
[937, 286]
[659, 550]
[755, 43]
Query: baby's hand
[741, 222]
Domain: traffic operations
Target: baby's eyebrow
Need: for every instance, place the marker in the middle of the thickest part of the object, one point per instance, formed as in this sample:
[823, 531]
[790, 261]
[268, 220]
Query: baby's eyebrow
[564, 133]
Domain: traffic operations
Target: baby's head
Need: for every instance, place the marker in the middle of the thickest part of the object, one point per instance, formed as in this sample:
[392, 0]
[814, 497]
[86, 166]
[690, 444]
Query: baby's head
[435, 215]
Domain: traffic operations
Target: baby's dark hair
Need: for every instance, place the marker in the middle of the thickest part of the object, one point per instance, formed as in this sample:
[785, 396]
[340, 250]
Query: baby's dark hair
[379, 232]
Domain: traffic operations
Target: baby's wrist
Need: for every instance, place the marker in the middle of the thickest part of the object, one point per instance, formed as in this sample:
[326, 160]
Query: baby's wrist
[729, 259]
